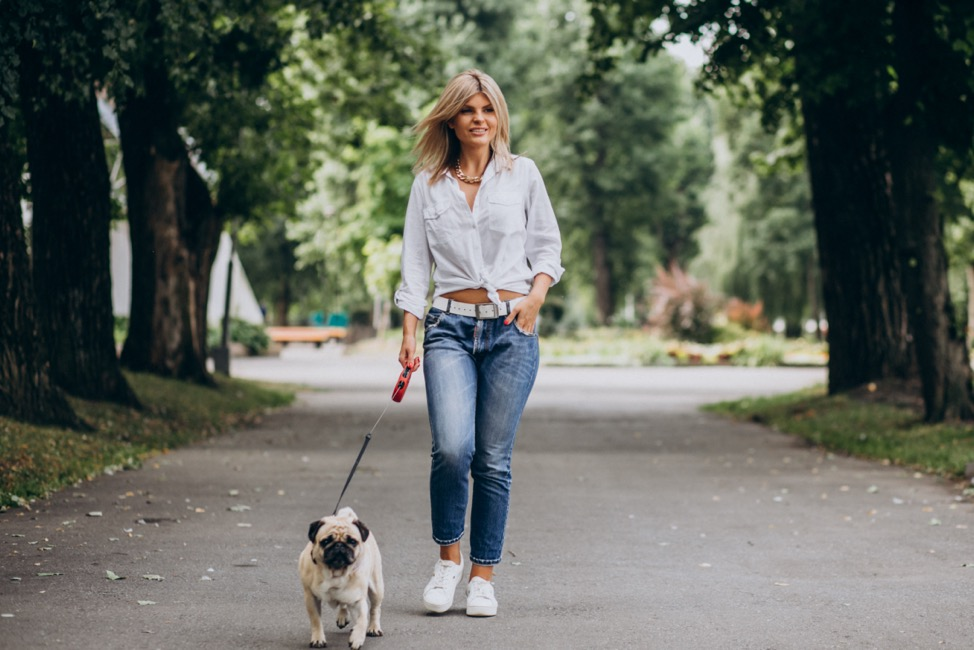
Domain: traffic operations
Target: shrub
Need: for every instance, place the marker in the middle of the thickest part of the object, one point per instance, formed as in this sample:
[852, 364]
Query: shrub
[747, 315]
[682, 306]
[253, 337]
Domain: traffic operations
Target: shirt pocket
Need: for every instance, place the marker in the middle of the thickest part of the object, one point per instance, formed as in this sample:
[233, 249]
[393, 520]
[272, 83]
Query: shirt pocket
[506, 213]
[440, 227]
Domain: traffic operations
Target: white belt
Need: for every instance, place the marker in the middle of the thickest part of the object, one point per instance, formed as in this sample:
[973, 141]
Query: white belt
[480, 311]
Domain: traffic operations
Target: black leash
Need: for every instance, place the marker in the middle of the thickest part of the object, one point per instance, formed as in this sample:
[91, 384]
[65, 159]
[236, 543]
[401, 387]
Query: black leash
[397, 394]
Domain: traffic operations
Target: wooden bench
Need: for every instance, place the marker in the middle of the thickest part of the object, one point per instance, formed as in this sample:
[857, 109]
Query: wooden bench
[315, 335]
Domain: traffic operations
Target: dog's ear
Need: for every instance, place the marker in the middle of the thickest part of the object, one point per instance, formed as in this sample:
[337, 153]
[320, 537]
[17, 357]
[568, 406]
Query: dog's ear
[313, 529]
[362, 529]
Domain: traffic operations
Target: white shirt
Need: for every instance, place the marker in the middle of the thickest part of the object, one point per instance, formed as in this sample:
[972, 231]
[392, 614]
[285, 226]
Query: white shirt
[510, 236]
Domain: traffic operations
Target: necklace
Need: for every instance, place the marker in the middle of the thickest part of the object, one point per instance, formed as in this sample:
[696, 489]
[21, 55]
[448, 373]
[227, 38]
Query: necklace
[473, 180]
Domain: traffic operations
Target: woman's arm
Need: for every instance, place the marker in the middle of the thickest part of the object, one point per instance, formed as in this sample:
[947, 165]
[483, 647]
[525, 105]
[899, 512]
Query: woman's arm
[407, 352]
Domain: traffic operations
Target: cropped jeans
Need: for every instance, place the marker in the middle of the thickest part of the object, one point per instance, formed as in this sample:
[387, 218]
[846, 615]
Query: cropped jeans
[478, 375]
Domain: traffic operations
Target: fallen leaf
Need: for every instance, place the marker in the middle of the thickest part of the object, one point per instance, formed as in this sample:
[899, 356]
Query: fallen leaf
[240, 508]
[154, 577]
[96, 513]
[48, 574]
[147, 602]
[111, 575]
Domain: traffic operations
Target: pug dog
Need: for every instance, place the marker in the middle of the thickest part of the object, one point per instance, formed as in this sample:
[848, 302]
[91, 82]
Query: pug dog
[341, 566]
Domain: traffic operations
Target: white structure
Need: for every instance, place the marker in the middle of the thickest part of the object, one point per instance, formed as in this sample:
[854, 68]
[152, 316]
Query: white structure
[243, 303]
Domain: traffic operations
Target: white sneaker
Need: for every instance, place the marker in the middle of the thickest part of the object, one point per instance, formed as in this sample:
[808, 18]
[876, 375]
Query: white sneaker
[480, 598]
[438, 595]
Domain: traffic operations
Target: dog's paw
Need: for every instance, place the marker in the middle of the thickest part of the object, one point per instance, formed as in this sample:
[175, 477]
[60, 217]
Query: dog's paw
[342, 620]
[356, 639]
[318, 644]
[374, 632]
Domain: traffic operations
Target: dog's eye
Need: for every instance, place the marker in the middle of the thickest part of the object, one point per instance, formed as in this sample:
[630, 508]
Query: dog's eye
[351, 541]
[328, 540]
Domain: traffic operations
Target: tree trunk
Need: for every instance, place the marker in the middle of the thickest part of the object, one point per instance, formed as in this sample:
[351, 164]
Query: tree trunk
[604, 300]
[174, 230]
[26, 390]
[862, 293]
[71, 198]
[601, 265]
[175, 233]
[942, 357]
[969, 275]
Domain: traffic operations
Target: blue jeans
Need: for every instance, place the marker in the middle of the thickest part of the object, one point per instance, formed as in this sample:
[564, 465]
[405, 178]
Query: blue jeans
[478, 375]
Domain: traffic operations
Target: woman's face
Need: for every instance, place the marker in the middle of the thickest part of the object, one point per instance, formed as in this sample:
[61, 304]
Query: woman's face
[476, 123]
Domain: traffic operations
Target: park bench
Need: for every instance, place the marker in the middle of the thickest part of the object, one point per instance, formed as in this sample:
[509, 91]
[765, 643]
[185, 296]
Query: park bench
[306, 334]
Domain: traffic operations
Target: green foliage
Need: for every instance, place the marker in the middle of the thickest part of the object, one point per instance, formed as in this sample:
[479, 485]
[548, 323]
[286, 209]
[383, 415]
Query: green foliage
[352, 224]
[90, 38]
[760, 242]
[35, 461]
[253, 337]
[863, 427]
[353, 71]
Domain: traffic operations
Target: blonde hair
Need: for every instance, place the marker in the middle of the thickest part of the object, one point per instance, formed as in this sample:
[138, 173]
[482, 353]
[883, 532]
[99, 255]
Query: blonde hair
[438, 147]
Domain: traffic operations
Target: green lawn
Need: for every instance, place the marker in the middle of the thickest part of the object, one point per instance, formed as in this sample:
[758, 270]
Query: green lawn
[844, 424]
[34, 460]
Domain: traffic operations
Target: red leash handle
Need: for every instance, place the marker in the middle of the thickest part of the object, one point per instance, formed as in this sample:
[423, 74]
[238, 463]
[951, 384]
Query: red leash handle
[403, 382]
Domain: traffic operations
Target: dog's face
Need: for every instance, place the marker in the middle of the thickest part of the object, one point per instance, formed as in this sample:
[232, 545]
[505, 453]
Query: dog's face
[337, 541]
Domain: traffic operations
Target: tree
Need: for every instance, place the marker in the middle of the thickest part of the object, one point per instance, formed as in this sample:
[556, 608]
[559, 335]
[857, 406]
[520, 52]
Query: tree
[630, 176]
[71, 200]
[367, 83]
[187, 52]
[760, 244]
[26, 389]
[862, 77]
[54, 52]
[358, 210]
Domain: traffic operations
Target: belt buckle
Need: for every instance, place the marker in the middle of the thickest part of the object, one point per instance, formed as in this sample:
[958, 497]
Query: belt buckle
[485, 311]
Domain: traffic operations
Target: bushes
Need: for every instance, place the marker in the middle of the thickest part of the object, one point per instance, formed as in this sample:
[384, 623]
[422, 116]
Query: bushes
[682, 306]
[622, 347]
[253, 337]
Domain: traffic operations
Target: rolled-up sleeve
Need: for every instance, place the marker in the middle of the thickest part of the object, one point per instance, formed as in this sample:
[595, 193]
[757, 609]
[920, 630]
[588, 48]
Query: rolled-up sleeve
[543, 244]
[417, 261]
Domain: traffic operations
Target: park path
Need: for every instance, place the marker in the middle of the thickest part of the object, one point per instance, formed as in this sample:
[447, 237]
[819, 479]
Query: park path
[637, 522]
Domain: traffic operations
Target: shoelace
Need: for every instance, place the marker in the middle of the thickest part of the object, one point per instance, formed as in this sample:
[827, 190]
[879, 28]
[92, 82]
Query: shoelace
[481, 590]
[440, 577]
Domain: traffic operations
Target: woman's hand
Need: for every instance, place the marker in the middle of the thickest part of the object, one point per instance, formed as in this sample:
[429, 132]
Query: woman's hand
[407, 351]
[526, 311]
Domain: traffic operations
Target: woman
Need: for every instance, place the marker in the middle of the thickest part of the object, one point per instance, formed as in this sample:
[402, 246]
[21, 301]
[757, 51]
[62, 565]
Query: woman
[479, 219]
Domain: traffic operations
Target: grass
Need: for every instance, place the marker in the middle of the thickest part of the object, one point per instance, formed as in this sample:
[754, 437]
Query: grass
[868, 429]
[35, 460]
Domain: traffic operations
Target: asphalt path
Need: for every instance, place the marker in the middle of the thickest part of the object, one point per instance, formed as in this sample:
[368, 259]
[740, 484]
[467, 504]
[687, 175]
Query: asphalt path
[637, 521]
